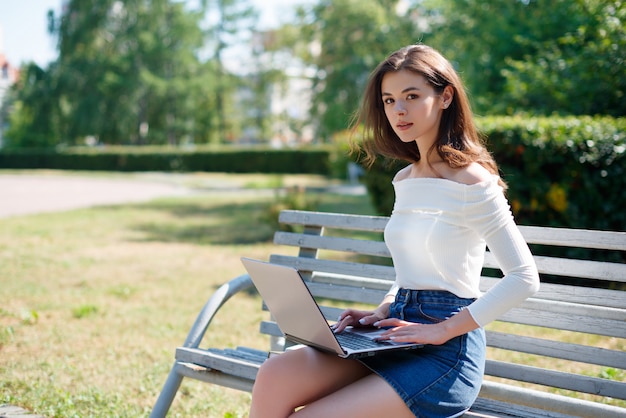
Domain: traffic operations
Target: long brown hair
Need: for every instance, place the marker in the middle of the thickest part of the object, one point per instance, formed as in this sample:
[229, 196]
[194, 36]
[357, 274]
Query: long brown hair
[458, 143]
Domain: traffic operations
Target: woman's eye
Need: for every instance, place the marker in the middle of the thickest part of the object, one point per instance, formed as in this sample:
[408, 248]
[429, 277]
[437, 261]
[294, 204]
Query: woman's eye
[411, 97]
[387, 101]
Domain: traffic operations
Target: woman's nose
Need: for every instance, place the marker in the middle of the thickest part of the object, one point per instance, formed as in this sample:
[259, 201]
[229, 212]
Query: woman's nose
[400, 109]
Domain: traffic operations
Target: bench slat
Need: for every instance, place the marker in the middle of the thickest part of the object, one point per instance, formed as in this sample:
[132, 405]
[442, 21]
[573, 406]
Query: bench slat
[557, 349]
[586, 311]
[589, 269]
[206, 375]
[375, 248]
[346, 293]
[553, 378]
[609, 240]
[488, 408]
[581, 238]
[222, 360]
[336, 267]
[554, 404]
[334, 220]
[351, 281]
[573, 294]
[567, 322]
[270, 328]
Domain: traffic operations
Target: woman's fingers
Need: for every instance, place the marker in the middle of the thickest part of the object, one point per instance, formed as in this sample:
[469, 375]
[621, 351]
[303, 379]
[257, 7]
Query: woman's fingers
[390, 322]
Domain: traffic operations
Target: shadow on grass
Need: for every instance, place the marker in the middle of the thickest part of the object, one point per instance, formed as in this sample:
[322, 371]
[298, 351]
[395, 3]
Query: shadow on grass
[206, 223]
[216, 221]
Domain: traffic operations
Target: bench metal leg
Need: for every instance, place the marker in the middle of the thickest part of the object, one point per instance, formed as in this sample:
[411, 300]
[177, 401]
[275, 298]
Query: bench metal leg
[174, 379]
[166, 397]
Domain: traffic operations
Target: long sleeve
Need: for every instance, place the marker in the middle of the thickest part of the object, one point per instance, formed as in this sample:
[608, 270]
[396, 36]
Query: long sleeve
[492, 219]
[520, 280]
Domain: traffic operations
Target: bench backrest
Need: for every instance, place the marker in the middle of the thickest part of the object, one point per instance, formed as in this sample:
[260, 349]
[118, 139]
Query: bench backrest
[568, 338]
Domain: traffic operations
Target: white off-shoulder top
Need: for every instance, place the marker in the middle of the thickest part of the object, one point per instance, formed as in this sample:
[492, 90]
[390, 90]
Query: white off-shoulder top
[437, 234]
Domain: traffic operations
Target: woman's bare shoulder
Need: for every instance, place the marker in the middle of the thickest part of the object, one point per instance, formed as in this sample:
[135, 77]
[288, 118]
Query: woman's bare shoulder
[470, 174]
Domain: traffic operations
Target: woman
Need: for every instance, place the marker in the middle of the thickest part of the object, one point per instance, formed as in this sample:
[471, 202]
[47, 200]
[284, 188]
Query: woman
[449, 205]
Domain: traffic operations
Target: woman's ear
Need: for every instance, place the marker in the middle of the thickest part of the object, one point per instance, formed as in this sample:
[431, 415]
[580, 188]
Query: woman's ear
[447, 96]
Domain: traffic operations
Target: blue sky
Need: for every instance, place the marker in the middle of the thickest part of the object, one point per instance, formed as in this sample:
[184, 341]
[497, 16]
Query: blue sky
[24, 36]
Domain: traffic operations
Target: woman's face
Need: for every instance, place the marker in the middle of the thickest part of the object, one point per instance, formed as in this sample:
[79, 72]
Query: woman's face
[412, 106]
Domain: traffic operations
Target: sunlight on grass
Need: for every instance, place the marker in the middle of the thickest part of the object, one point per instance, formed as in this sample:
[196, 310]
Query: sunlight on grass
[95, 301]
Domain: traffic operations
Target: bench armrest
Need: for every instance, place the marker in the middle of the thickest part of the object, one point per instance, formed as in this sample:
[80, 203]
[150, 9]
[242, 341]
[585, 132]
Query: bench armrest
[225, 292]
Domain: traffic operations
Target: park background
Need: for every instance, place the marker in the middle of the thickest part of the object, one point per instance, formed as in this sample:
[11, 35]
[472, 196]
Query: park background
[200, 87]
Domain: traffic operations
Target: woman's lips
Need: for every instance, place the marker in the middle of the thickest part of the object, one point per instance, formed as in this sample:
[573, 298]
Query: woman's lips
[403, 126]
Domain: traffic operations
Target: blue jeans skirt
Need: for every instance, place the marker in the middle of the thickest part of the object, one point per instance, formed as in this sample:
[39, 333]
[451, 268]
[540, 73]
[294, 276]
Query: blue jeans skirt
[435, 381]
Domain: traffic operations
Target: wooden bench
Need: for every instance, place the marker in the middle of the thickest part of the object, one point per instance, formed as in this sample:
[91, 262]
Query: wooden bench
[559, 354]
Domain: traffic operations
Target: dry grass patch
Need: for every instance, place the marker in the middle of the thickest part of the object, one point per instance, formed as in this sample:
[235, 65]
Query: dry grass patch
[95, 302]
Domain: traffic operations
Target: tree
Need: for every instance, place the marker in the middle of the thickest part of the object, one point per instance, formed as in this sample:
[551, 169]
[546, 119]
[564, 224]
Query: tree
[231, 19]
[580, 72]
[32, 119]
[126, 70]
[344, 40]
[532, 55]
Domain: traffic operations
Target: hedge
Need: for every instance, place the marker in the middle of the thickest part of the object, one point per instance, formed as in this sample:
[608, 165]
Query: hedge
[561, 171]
[230, 160]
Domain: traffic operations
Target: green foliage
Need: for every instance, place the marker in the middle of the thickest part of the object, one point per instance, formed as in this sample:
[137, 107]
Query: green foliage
[32, 119]
[564, 56]
[130, 73]
[353, 36]
[294, 198]
[613, 374]
[126, 65]
[579, 72]
[152, 72]
[561, 171]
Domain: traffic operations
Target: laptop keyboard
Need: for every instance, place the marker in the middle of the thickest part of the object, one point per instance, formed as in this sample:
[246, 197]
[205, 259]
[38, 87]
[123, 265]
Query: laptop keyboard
[357, 342]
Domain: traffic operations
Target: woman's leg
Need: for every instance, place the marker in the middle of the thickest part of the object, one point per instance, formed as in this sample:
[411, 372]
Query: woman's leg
[368, 397]
[300, 377]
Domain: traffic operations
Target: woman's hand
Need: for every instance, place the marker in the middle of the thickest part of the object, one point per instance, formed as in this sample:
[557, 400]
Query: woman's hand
[409, 332]
[357, 318]
[436, 334]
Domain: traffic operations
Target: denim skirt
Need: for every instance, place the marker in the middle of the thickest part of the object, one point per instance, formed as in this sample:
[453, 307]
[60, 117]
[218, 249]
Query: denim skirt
[435, 381]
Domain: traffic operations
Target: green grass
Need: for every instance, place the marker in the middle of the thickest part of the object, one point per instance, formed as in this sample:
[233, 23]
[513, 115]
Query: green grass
[95, 301]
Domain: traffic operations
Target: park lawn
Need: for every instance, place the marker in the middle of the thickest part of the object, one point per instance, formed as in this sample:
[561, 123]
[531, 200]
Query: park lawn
[95, 301]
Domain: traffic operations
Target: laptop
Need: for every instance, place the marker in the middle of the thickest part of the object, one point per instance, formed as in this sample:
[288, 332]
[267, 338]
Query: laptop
[299, 317]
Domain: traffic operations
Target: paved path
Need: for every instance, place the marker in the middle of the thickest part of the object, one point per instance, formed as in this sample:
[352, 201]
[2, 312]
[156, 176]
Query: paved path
[24, 194]
[8, 411]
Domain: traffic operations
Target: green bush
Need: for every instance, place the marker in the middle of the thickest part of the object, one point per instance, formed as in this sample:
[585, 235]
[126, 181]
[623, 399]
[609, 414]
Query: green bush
[561, 171]
[224, 159]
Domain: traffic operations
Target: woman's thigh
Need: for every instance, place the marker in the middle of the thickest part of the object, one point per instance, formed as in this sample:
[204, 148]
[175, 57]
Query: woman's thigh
[370, 396]
[299, 377]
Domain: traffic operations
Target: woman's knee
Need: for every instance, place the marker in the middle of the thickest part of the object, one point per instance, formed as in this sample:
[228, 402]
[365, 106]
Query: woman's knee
[285, 367]
[273, 369]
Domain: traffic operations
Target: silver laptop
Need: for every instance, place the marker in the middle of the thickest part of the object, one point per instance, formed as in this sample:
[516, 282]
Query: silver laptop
[299, 317]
